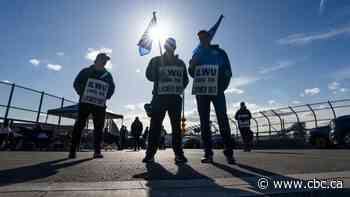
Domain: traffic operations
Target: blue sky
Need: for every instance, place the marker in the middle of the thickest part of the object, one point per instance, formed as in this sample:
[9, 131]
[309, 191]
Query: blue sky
[282, 52]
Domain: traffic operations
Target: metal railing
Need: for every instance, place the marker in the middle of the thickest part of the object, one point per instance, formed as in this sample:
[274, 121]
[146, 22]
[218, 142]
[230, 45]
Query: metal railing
[281, 121]
[23, 104]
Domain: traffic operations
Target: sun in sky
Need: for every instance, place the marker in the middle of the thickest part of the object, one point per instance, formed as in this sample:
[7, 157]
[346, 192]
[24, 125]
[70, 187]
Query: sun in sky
[160, 32]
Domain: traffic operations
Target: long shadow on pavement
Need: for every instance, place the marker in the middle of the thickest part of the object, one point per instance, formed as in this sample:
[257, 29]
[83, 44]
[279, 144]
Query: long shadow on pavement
[34, 172]
[186, 182]
[254, 179]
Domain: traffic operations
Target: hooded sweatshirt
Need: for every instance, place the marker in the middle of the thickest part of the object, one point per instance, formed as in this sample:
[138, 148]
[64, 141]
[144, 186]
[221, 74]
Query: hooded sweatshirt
[214, 56]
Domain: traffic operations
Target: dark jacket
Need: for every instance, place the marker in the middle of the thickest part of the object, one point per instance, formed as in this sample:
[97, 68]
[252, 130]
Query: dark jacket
[152, 72]
[214, 56]
[92, 72]
[136, 128]
[243, 116]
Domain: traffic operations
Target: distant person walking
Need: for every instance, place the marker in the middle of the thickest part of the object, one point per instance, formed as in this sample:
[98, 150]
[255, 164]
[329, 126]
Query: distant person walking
[243, 116]
[211, 72]
[123, 137]
[169, 76]
[136, 131]
[94, 85]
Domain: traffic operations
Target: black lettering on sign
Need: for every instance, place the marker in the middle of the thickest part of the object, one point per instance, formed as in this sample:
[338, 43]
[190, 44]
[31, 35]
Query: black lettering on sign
[201, 89]
[98, 86]
[168, 79]
[104, 88]
[211, 79]
[91, 84]
[206, 72]
[174, 73]
[177, 80]
[200, 80]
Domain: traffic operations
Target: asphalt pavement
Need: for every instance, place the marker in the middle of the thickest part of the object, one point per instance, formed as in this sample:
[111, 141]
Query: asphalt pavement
[121, 173]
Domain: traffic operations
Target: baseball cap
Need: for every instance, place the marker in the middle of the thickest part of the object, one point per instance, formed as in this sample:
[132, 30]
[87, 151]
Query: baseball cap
[102, 56]
[202, 32]
[170, 42]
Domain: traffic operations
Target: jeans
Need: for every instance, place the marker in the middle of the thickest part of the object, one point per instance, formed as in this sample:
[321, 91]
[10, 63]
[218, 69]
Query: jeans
[137, 143]
[247, 137]
[160, 105]
[219, 102]
[98, 114]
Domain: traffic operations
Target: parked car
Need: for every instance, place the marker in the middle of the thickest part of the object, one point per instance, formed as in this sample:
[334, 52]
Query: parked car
[319, 137]
[340, 131]
[191, 142]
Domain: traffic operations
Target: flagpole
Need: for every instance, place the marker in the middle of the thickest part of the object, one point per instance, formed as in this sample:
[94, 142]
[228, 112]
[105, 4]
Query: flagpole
[159, 44]
[183, 119]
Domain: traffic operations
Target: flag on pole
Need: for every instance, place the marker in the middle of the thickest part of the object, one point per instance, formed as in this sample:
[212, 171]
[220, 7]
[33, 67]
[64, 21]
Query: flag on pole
[212, 32]
[145, 43]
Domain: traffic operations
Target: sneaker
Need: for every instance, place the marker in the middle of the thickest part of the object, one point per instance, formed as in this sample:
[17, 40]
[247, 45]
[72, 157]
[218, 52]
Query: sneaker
[148, 159]
[230, 160]
[180, 159]
[98, 156]
[207, 159]
[72, 155]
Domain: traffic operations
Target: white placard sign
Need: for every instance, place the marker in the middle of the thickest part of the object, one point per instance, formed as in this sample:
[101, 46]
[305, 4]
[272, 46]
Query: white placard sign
[95, 92]
[205, 80]
[170, 80]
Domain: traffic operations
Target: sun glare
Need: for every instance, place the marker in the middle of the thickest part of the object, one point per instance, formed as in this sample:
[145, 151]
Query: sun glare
[158, 33]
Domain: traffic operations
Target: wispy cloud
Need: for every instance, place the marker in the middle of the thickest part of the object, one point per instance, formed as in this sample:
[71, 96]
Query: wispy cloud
[272, 102]
[60, 54]
[234, 91]
[333, 86]
[54, 67]
[322, 5]
[280, 65]
[243, 80]
[253, 107]
[92, 53]
[34, 61]
[342, 74]
[306, 38]
[133, 107]
[296, 102]
[238, 82]
[130, 107]
[311, 91]
[343, 90]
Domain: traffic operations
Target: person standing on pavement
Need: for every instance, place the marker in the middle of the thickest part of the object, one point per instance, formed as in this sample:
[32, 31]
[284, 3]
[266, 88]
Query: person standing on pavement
[94, 85]
[123, 136]
[211, 72]
[136, 131]
[243, 117]
[169, 76]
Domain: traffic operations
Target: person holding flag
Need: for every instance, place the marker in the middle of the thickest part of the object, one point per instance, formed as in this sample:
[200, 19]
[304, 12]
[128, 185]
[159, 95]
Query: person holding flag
[94, 85]
[169, 76]
[211, 72]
